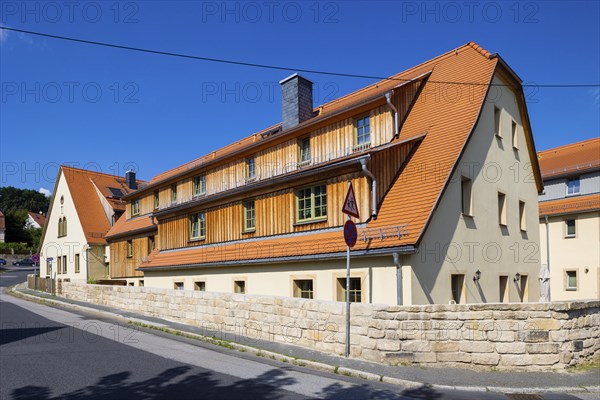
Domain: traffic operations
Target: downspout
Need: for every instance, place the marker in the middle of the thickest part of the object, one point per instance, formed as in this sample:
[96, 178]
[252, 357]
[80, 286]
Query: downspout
[87, 262]
[388, 97]
[398, 265]
[547, 242]
[363, 163]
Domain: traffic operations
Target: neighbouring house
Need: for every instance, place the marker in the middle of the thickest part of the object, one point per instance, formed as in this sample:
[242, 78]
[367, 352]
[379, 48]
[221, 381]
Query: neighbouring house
[35, 220]
[2, 227]
[570, 219]
[83, 207]
[444, 168]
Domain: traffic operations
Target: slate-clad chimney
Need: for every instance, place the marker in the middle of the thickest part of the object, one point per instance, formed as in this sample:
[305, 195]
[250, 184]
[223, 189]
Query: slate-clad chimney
[296, 100]
[130, 179]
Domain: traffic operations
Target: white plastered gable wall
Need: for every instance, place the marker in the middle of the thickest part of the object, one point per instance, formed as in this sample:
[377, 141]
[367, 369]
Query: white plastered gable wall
[73, 243]
[457, 244]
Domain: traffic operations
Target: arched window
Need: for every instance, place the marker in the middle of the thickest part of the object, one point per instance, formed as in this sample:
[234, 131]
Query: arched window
[62, 226]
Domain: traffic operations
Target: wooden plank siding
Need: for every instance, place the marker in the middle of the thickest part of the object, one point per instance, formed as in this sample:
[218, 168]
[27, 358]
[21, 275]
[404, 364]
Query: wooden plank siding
[276, 211]
[275, 214]
[122, 266]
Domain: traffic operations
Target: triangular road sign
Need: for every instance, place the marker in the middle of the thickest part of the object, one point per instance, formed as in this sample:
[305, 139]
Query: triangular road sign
[350, 206]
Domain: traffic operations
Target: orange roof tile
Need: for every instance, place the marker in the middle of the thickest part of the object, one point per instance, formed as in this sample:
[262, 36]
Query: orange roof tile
[570, 205]
[82, 187]
[570, 159]
[448, 125]
[330, 108]
[124, 226]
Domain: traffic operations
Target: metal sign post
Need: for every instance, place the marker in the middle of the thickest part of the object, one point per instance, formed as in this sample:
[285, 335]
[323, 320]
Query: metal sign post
[350, 208]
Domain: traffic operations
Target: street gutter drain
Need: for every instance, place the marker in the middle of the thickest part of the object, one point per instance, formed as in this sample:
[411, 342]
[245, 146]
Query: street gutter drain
[523, 396]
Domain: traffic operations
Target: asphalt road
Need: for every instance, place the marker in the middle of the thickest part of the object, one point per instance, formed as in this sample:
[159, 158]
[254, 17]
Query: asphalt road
[50, 353]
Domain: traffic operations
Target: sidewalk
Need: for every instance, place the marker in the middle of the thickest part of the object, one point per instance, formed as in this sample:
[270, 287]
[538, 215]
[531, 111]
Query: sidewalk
[407, 376]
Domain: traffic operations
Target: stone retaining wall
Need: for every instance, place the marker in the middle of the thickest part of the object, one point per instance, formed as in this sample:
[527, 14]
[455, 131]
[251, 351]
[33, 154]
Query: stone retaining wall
[531, 336]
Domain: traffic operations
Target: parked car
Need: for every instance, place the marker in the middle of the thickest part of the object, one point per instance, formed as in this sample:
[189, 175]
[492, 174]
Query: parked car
[24, 262]
[2, 261]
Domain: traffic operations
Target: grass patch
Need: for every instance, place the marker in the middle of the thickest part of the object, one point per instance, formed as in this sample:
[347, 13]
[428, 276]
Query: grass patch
[587, 366]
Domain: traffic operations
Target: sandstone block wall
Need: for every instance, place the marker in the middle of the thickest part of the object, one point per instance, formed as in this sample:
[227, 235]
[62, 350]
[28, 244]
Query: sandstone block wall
[531, 336]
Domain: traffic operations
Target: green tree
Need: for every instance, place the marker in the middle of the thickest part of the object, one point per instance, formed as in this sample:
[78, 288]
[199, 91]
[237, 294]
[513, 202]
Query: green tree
[15, 226]
[12, 199]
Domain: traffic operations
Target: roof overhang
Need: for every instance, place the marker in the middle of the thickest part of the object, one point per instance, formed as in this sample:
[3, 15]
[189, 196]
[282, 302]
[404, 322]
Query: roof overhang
[287, 259]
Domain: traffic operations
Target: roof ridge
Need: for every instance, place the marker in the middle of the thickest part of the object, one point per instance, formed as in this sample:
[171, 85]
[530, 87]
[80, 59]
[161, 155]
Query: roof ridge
[471, 44]
[91, 172]
[568, 146]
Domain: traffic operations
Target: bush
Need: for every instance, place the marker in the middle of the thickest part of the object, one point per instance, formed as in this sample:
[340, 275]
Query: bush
[17, 247]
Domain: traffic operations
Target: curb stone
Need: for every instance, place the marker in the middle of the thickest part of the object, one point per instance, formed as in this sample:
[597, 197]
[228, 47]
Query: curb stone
[350, 372]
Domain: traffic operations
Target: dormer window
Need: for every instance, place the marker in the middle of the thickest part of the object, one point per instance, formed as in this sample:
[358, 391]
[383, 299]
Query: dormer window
[174, 193]
[362, 130]
[251, 169]
[199, 185]
[135, 207]
[573, 187]
[304, 147]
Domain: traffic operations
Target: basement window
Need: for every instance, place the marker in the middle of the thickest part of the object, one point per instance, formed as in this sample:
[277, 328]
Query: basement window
[239, 287]
[303, 288]
[200, 286]
[178, 285]
[355, 290]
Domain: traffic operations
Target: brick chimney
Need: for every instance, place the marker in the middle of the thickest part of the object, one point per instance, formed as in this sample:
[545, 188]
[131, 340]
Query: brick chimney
[130, 179]
[296, 100]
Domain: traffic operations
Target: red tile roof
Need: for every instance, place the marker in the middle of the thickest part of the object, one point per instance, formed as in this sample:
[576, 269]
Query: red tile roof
[570, 159]
[570, 205]
[131, 226]
[40, 219]
[448, 125]
[82, 187]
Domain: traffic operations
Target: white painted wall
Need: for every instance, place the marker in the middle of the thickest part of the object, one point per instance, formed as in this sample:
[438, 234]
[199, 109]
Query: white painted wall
[578, 254]
[457, 244]
[73, 243]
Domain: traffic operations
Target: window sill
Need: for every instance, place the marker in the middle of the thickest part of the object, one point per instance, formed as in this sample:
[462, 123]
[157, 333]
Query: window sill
[311, 221]
[570, 237]
[197, 196]
[503, 225]
[465, 215]
[248, 231]
[571, 289]
[194, 240]
[573, 194]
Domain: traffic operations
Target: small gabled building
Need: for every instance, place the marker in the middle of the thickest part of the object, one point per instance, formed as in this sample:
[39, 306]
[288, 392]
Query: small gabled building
[570, 219]
[35, 220]
[444, 168]
[84, 206]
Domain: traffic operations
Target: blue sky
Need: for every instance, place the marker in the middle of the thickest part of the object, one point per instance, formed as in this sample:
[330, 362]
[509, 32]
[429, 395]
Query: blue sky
[109, 109]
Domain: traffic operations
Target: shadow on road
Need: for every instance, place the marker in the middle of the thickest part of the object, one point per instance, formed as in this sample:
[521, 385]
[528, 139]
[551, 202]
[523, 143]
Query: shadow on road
[14, 335]
[177, 383]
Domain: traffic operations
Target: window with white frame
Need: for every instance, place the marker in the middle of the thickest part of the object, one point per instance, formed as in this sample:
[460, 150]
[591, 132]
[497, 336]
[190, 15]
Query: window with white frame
[570, 228]
[571, 280]
[573, 187]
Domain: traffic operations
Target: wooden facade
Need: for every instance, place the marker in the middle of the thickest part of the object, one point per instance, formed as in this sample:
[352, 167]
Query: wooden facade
[121, 264]
[275, 205]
